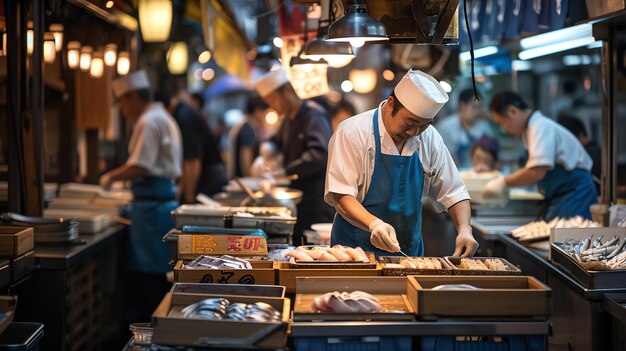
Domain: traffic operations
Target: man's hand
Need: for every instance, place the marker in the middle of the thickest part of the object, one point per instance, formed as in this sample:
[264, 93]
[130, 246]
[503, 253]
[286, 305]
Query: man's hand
[494, 187]
[465, 245]
[383, 236]
[105, 181]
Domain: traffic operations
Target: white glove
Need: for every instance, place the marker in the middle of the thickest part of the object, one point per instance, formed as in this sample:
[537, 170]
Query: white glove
[105, 181]
[465, 245]
[494, 187]
[383, 236]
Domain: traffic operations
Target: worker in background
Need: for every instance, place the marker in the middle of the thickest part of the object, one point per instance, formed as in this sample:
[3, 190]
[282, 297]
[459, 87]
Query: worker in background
[303, 140]
[154, 163]
[574, 125]
[340, 112]
[245, 138]
[485, 154]
[462, 130]
[203, 169]
[556, 159]
[383, 161]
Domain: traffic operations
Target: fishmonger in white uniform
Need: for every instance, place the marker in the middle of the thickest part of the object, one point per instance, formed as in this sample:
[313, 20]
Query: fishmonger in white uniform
[382, 162]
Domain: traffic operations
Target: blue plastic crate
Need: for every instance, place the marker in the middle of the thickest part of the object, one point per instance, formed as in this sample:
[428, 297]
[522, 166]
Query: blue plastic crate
[368, 343]
[505, 343]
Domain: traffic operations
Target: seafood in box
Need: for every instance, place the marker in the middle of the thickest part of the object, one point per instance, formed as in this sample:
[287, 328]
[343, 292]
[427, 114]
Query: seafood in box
[540, 230]
[597, 254]
[482, 266]
[346, 302]
[336, 253]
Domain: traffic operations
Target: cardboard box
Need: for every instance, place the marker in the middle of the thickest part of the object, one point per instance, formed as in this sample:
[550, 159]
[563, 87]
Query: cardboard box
[287, 276]
[171, 328]
[511, 297]
[390, 292]
[16, 241]
[191, 246]
[262, 272]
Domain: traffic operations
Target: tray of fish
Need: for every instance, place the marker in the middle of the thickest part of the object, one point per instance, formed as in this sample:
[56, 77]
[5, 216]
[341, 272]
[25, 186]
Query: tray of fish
[540, 230]
[596, 262]
[330, 257]
[398, 265]
[481, 266]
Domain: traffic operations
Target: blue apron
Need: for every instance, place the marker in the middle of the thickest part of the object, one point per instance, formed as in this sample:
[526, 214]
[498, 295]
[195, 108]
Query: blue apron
[154, 199]
[568, 193]
[395, 196]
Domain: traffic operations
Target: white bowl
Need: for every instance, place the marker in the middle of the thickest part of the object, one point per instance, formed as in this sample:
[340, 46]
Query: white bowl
[323, 230]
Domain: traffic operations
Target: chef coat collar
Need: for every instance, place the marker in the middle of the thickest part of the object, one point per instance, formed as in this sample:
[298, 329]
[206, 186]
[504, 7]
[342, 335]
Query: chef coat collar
[387, 144]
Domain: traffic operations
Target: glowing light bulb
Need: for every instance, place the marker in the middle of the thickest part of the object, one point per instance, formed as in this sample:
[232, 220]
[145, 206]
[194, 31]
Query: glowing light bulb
[271, 118]
[357, 43]
[123, 63]
[110, 54]
[73, 56]
[347, 86]
[85, 58]
[278, 42]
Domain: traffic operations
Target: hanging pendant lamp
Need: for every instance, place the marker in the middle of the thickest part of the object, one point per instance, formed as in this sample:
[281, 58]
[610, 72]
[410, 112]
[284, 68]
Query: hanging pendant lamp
[356, 26]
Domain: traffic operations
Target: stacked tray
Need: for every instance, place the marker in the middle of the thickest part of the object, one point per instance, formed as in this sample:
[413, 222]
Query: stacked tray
[446, 268]
[47, 230]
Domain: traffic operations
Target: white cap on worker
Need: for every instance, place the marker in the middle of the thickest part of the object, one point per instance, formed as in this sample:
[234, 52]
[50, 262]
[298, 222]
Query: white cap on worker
[421, 94]
[271, 81]
[133, 81]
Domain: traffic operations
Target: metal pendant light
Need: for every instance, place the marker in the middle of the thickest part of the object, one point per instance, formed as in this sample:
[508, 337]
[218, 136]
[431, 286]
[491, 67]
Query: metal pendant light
[337, 54]
[356, 26]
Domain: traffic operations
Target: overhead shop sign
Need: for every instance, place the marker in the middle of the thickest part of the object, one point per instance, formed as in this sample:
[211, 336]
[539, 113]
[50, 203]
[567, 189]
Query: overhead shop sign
[308, 80]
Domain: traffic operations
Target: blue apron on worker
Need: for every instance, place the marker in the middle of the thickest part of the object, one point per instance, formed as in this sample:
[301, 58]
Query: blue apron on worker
[464, 150]
[568, 193]
[154, 199]
[394, 196]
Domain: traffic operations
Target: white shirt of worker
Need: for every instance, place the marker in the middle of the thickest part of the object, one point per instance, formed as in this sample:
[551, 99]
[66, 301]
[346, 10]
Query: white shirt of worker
[549, 143]
[351, 162]
[155, 144]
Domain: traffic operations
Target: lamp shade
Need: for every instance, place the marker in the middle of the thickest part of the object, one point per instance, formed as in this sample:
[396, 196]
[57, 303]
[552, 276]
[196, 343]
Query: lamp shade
[337, 54]
[155, 19]
[85, 58]
[177, 58]
[57, 31]
[123, 63]
[110, 54]
[73, 54]
[49, 49]
[357, 27]
[97, 65]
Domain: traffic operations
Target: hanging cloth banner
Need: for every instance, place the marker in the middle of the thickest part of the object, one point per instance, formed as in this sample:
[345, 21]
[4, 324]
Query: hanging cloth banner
[226, 43]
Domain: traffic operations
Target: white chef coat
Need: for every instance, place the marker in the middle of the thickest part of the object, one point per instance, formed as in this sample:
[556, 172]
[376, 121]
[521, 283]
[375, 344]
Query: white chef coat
[155, 144]
[549, 143]
[454, 135]
[352, 153]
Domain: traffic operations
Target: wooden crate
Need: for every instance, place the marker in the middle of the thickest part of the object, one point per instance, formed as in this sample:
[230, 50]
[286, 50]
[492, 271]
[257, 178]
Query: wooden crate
[390, 292]
[16, 241]
[498, 296]
[262, 272]
[171, 328]
[287, 276]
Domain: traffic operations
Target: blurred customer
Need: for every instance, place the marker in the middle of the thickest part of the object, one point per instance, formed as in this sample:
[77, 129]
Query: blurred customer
[340, 112]
[574, 125]
[245, 138]
[203, 168]
[197, 102]
[461, 130]
[154, 161]
[485, 154]
[303, 140]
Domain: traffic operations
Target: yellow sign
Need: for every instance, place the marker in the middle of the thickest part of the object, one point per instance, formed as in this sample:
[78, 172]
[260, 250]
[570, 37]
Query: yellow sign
[308, 80]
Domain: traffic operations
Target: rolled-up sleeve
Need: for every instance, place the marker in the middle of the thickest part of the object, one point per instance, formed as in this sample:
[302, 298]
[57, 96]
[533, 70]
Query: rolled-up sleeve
[344, 167]
[446, 187]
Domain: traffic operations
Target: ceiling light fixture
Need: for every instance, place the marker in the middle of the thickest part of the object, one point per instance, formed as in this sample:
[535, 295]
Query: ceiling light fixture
[356, 26]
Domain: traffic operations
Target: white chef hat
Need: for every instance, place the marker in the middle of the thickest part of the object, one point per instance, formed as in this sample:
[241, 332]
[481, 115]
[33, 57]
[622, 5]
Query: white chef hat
[271, 81]
[421, 94]
[133, 81]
